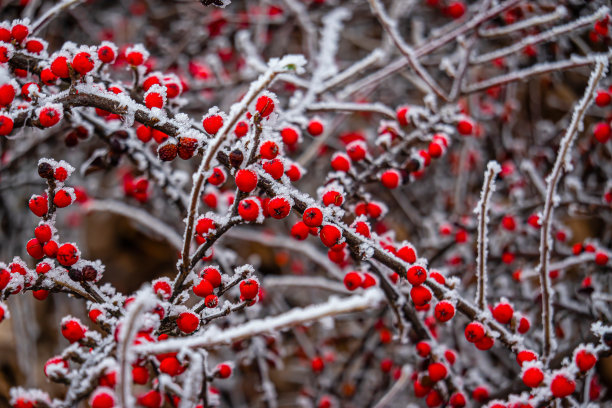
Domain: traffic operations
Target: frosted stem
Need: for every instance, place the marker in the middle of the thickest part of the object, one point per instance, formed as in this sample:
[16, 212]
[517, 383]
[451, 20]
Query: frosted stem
[551, 202]
[482, 209]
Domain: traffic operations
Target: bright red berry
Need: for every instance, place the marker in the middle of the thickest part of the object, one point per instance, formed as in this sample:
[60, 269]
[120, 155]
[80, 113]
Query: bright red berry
[68, 254]
[38, 205]
[444, 311]
[561, 386]
[416, 275]
[62, 198]
[268, 150]
[437, 371]
[249, 209]
[503, 312]
[249, 289]
[82, 63]
[585, 360]
[315, 127]
[188, 322]
[330, 235]
[246, 180]
[264, 105]
[474, 332]
[352, 280]
[212, 124]
[49, 116]
[72, 330]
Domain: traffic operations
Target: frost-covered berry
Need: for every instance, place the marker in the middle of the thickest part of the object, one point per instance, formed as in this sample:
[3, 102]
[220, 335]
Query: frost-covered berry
[601, 258]
[49, 116]
[315, 127]
[533, 377]
[390, 179]
[246, 180]
[35, 46]
[38, 205]
[312, 217]
[73, 330]
[402, 115]
[51, 249]
[357, 150]
[217, 177]
[187, 147]
[134, 57]
[188, 322]
[294, 172]
[268, 150]
[150, 399]
[524, 325]
[212, 124]
[457, 400]
[140, 375]
[352, 280]
[48, 77]
[60, 174]
[456, 9]
[274, 168]
[416, 275]
[103, 397]
[63, 198]
[162, 288]
[485, 343]
[241, 129]
[525, 356]
[249, 289]
[279, 207]
[211, 301]
[154, 100]
[332, 197]
[249, 209]
[264, 105]
[83, 63]
[68, 254]
[341, 162]
[444, 311]
[6, 125]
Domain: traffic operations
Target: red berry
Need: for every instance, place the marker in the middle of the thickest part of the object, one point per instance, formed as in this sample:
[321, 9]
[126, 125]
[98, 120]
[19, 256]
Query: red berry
[264, 105]
[268, 150]
[241, 129]
[42, 267]
[274, 168]
[356, 150]
[313, 217]
[524, 325]
[35, 46]
[217, 177]
[294, 173]
[456, 9]
[6, 125]
[203, 288]
[465, 127]
[333, 197]
[246, 180]
[602, 132]
[154, 100]
[249, 289]
[457, 400]
[150, 399]
[212, 124]
[402, 115]
[106, 54]
[68, 254]
[341, 162]
[249, 209]
[300, 231]
[330, 235]
[50, 249]
[315, 127]
[82, 63]
[211, 301]
[62, 198]
[188, 322]
[601, 258]
[317, 364]
[35, 249]
[134, 58]
[290, 136]
[503, 312]
[171, 366]
[585, 360]
[102, 398]
[416, 275]
[480, 394]
[407, 254]
[352, 280]
[444, 311]
[7, 94]
[38, 205]
[420, 295]
[368, 281]
[437, 372]
[72, 330]
[144, 133]
[224, 370]
[59, 67]
[561, 386]
[61, 174]
[279, 207]
[49, 116]
[212, 275]
[423, 349]
[474, 332]
[140, 375]
[48, 77]
[204, 225]
[19, 32]
[524, 356]
[390, 179]
[485, 343]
